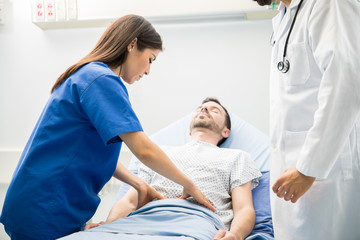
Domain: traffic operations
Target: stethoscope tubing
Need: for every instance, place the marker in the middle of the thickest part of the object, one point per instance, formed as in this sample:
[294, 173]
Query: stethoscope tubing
[284, 65]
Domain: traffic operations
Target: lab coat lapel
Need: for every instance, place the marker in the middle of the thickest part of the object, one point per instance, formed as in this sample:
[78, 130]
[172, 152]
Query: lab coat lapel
[276, 21]
[281, 22]
[281, 26]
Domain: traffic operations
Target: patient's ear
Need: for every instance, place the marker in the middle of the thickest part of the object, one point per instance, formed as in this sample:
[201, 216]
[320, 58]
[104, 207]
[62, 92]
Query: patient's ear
[225, 133]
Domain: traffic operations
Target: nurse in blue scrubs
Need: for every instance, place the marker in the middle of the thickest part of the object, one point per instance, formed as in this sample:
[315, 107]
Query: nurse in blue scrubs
[73, 150]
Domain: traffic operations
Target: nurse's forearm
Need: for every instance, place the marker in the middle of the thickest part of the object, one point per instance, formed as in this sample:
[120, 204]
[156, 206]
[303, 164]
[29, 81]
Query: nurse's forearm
[153, 157]
[125, 175]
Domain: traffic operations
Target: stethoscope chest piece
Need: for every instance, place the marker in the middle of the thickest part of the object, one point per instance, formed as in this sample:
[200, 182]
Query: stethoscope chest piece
[283, 66]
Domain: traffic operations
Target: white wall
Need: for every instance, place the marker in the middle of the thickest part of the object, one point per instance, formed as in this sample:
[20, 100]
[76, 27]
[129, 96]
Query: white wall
[228, 60]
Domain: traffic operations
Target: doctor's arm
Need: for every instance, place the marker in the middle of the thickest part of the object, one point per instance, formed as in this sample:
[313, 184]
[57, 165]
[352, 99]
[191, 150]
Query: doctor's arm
[244, 215]
[334, 39]
[153, 157]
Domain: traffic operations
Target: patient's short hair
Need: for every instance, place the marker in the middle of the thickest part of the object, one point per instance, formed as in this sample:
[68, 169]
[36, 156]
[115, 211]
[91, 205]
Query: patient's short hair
[227, 116]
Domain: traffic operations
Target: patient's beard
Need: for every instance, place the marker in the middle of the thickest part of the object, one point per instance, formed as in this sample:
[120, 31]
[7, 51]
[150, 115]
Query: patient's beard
[263, 2]
[205, 124]
[202, 124]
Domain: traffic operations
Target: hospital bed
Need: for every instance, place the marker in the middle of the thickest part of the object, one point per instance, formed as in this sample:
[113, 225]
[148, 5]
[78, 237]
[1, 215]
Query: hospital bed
[162, 226]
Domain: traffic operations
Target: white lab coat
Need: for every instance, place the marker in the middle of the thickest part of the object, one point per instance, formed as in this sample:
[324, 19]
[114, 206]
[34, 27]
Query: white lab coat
[315, 119]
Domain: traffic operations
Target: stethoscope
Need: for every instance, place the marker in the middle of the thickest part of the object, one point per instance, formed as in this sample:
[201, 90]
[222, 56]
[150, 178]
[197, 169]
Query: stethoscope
[284, 65]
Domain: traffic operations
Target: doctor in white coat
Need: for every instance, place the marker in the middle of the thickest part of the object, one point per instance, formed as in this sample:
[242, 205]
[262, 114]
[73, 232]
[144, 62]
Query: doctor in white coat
[315, 119]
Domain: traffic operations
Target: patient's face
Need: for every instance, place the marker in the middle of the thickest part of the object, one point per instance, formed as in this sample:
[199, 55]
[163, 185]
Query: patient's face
[211, 116]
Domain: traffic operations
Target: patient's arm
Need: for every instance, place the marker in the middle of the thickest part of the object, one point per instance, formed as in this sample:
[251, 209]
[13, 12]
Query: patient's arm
[127, 204]
[244, 214]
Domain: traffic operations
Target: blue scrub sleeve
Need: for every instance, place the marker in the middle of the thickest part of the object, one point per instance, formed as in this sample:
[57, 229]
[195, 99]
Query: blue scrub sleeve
[106, 103]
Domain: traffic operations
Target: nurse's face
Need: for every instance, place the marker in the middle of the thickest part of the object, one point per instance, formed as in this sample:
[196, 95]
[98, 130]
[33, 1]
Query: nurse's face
[137, 63]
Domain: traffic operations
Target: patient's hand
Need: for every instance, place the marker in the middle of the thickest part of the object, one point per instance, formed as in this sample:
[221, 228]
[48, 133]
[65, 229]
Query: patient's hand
[225, 235]
[92, 225]
[147, 193]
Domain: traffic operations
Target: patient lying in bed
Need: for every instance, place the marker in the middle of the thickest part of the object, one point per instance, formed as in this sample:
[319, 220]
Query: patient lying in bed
[225, 176]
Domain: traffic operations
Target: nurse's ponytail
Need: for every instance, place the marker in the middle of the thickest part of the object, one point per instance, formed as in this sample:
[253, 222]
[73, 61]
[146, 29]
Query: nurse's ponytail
[111, 49]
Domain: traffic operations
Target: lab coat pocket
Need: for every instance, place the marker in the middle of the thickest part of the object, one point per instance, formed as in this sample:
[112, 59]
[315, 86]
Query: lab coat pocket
[293, 142]
[346, 162]
[299, 71]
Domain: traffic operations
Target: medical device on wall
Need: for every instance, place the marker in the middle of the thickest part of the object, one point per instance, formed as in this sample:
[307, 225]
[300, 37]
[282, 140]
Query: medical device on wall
[54, 10]
[284, 65]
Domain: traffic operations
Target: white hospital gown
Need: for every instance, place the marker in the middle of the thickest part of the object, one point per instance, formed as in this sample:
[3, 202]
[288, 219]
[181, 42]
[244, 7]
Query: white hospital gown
[215, 171]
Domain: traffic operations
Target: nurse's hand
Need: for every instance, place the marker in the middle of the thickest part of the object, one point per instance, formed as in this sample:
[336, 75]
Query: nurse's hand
[292, 184]
[146, 194]
[195, 192]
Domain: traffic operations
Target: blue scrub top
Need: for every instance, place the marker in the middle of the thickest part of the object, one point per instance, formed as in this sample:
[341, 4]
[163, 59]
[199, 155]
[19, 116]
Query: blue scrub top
[71, 154]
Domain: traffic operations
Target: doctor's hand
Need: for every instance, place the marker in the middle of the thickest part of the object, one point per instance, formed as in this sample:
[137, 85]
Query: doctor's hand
[146, 194]
[292, 184]
[195, 192]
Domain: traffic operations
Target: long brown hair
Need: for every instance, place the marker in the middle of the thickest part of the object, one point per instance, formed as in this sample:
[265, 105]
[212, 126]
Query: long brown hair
[111, 49]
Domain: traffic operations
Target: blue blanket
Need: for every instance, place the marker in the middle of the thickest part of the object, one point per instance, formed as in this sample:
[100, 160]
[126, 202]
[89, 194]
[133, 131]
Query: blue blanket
[167, 219]
[162, 219]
